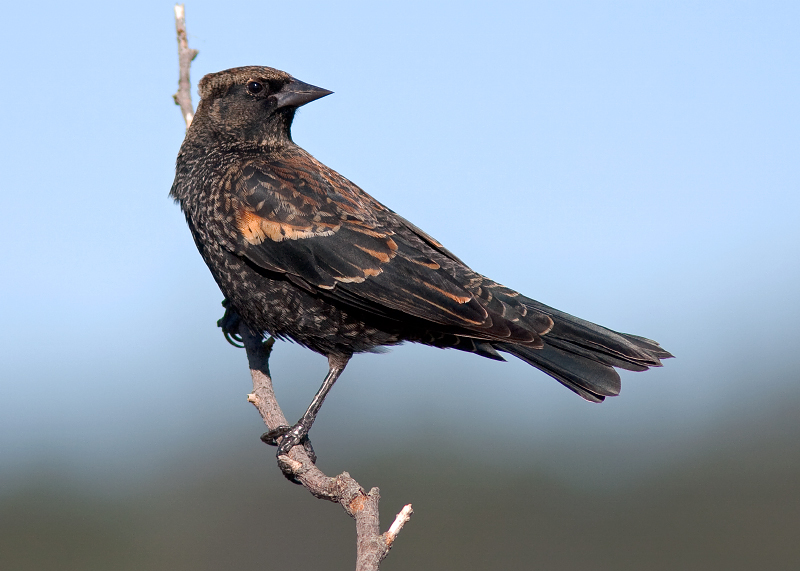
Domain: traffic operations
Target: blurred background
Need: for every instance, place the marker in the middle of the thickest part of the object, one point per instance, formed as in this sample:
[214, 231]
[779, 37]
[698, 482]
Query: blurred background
[635, 164]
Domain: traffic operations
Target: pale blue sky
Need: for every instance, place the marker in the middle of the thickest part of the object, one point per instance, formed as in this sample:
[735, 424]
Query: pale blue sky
[635, 164]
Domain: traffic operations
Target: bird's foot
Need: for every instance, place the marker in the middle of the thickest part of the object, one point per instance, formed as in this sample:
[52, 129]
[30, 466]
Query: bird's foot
[229, 323]
[287, 437]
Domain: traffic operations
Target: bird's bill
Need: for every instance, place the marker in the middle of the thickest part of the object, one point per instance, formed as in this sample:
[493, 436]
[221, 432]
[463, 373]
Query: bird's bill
[297, 93]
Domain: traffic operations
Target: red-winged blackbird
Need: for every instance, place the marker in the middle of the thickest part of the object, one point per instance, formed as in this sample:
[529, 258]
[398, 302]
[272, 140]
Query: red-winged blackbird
[301, 252]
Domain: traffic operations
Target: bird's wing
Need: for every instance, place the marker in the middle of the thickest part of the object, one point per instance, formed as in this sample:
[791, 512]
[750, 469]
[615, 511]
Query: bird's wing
[300, 219]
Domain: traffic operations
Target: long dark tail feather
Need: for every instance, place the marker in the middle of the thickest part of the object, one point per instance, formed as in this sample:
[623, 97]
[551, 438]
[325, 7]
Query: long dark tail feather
[582, 355]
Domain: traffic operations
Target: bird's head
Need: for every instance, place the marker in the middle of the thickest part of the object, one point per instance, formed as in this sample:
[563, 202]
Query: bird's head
[251, 104]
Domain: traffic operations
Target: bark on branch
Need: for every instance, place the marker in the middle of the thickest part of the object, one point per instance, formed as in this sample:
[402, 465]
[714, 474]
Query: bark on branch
[183, 97]
[372, 546]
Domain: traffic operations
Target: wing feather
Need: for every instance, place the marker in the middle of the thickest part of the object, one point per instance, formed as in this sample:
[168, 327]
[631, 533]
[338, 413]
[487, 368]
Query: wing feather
[305, 221]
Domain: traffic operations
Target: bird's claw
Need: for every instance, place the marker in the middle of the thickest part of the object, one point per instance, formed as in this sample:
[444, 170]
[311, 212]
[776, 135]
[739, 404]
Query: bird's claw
[229, 323]
[287, 437]
[273, 435]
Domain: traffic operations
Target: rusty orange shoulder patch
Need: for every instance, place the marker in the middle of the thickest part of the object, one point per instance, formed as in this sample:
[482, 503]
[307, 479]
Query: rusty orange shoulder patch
[257, 229]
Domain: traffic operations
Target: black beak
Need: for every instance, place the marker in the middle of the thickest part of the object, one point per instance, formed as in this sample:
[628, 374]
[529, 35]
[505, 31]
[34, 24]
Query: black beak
[296, 93]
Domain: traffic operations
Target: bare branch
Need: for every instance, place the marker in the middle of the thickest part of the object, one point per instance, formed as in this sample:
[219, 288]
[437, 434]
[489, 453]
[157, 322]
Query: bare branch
[401, 519]
[372, 546]
[185, 56]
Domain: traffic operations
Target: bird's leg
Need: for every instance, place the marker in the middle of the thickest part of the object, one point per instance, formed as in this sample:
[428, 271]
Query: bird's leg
[292, 436]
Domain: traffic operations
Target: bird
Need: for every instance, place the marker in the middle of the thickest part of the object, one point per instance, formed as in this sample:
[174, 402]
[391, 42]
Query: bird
[302, 253]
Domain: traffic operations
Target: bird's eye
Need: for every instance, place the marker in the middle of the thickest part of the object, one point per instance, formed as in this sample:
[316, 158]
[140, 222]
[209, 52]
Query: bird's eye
[255, 87]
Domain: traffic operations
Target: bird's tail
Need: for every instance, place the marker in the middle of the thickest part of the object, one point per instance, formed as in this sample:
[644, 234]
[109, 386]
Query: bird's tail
[582, 355]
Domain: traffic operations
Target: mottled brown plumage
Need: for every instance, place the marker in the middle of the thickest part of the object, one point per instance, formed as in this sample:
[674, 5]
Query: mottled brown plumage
[301, 252]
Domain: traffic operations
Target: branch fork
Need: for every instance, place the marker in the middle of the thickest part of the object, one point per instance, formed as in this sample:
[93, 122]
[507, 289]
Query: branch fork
[371, 545]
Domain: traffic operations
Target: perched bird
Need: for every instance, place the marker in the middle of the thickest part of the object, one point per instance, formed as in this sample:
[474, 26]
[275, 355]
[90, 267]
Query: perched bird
[300, 252]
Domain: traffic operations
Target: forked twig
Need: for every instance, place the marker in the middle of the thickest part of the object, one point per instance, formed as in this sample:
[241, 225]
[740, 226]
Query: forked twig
[372, 546]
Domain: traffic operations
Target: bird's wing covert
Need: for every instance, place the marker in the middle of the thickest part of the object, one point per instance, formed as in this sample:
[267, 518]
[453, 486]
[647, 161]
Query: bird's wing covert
[322, 232]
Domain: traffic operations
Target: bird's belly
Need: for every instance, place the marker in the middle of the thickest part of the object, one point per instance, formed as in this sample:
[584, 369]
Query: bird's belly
[268, 303]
